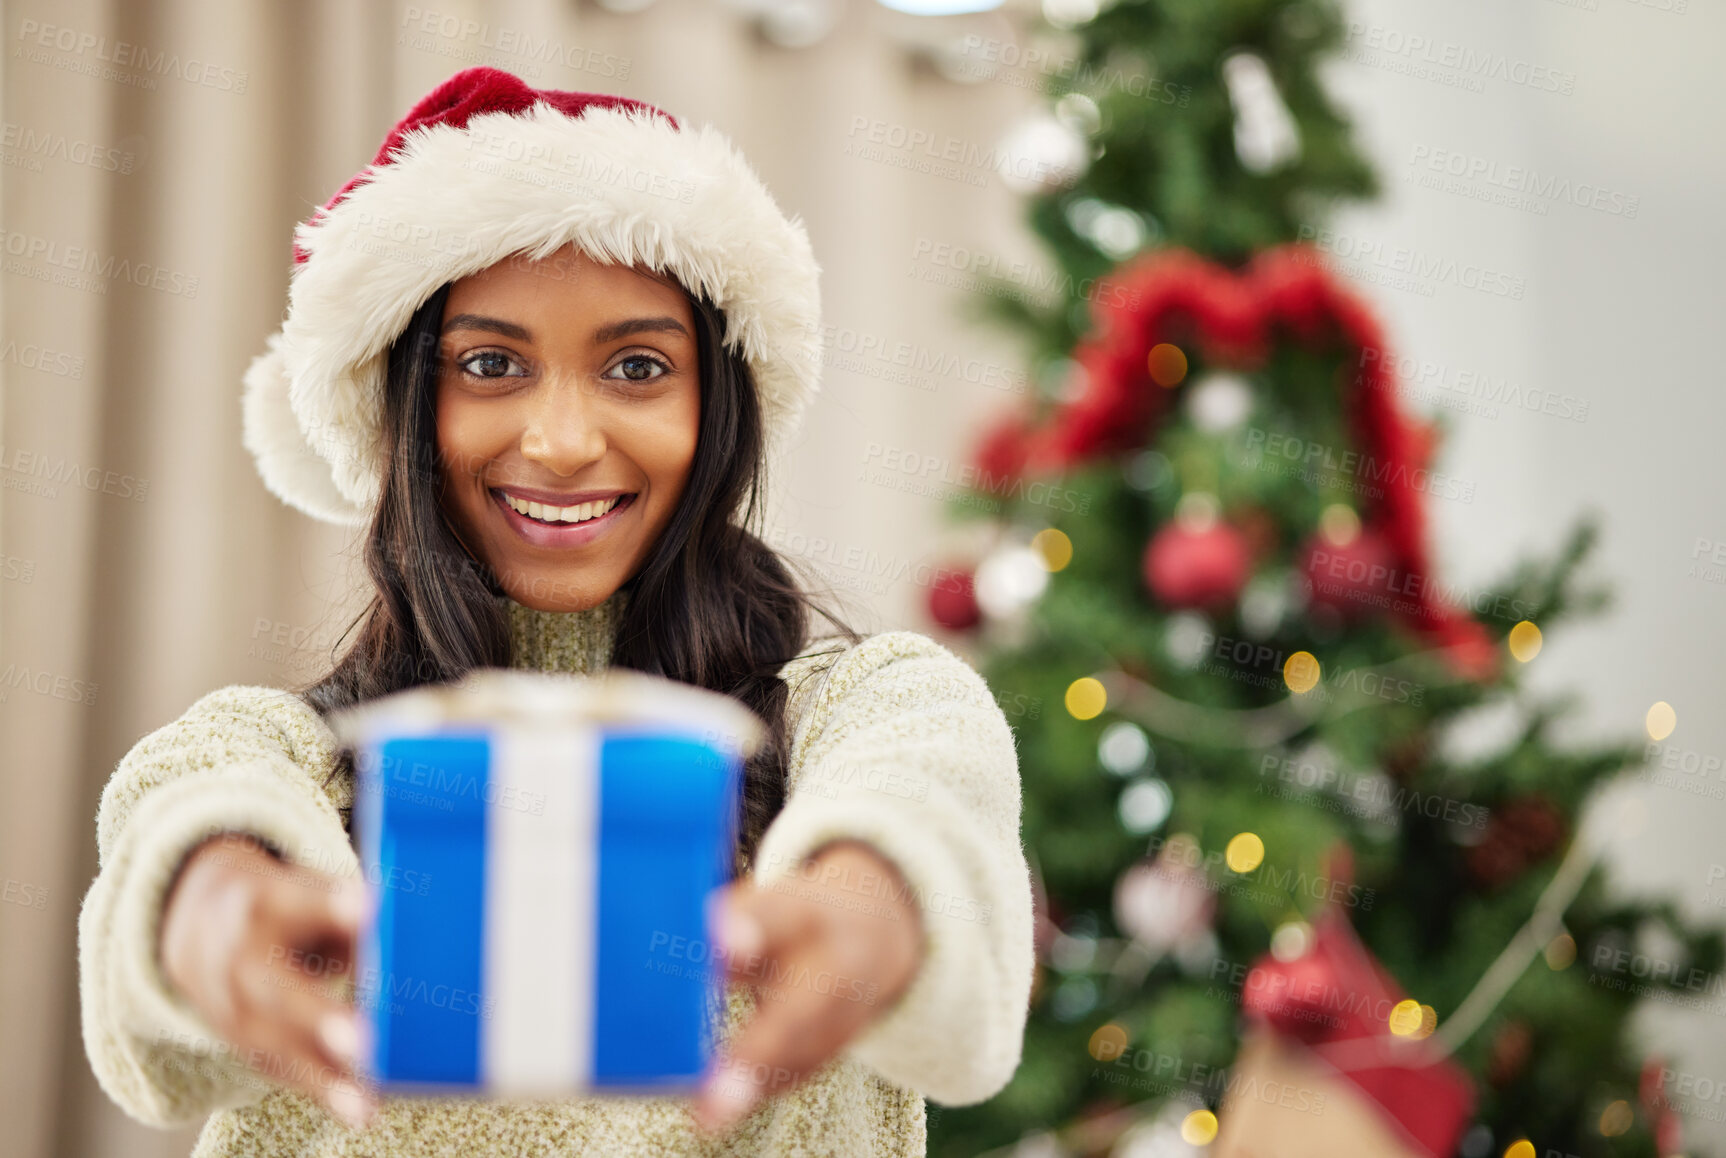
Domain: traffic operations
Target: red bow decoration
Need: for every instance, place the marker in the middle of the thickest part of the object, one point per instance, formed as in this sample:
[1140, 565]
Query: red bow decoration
[1232, 319]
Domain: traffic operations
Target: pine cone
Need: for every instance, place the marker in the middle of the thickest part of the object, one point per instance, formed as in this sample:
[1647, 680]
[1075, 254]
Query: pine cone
[1403, 758]
[1509, 1055]
[1522, 832]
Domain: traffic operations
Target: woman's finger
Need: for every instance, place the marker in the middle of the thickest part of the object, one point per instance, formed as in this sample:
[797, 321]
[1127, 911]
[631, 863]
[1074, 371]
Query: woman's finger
[801, 1025]
[285, 1055]
[320, 1036]
[750, 927]
[292, 979]
[325, 1023]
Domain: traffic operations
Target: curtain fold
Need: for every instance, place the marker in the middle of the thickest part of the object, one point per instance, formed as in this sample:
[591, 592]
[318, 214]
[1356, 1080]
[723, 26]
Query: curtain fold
[143, 564]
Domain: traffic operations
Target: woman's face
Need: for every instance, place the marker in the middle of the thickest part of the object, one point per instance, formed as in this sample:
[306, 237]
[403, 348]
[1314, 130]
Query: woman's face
[568, 402]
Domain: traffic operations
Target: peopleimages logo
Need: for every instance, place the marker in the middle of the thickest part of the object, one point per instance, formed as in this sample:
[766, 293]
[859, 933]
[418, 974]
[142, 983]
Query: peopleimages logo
[965, 263]
[520, 44]
[76, 259]
[1413, 263]
[934, 476]
[97, 50]
[1170, 1074]
[1416, 373]
[1521, 181]
[1185, 853]
[947, 156]
[1313, 457]
[1473, 64]
[1379, 792]
[24, 141]
[1034, 67]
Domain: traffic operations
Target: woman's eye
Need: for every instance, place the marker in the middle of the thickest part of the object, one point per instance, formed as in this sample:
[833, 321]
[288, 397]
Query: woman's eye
[490, 364]
[640, 367]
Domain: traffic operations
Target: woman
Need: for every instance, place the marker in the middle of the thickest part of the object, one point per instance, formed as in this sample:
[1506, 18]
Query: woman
[542, 349]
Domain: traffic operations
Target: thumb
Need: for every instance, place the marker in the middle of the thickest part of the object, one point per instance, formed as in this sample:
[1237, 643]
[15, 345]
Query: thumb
[751, 925]
[734, 930]
[349, 904]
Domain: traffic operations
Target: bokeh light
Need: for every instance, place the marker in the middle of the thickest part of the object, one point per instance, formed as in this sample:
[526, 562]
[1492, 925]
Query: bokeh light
[1168, 364]
[1145, 804]
[1524, 641]
[1054, 546]
[1301, 672]
[1086, 698]
[1660, 721]
[1616, 1118]
[1405, 1018]
[1245, 852]
[1291, 941]
[1123, 748]
[1199, 1128]
[1339, 525]
[1108, 1043]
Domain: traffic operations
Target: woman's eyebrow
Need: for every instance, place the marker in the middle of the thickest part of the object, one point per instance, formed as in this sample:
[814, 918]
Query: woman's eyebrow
[638, 326]
[494, 325]
[604, 334]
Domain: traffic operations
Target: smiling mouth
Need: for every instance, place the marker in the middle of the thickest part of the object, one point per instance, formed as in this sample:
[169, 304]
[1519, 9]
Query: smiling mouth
[550, 515]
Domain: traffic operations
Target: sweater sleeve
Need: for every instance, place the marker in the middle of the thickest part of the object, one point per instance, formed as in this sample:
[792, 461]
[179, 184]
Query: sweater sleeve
[904, 748]
[241, 759]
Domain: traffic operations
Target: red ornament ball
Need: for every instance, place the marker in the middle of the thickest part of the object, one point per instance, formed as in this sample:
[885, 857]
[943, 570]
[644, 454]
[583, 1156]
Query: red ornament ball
[1357, 578]
[1290, 995]
[953, 601]
[1197, 568]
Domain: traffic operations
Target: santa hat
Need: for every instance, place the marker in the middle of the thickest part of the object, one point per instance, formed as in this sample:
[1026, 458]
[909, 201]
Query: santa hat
[485, 167]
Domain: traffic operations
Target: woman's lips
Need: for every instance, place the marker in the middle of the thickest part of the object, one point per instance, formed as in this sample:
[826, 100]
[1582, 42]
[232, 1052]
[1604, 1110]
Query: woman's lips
[560, 534]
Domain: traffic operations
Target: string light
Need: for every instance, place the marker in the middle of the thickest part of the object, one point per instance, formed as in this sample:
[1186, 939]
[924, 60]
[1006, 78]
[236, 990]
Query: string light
[1339, 524]
[1054, 546]
[1086, 698]
[1199, 1128]
[1660, 721]
[1245, 852]
[1291, 941]
[1301, 672]
[1108, 1043]
[1198, 511]
[1168, 364]
[1145, 804]
[1524, 641]
[1616, 1118]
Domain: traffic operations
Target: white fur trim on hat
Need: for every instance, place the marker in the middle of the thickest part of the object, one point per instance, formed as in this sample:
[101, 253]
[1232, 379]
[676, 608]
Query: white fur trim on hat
[623, 185]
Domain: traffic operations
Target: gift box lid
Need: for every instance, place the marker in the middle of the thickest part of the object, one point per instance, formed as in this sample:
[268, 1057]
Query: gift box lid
[616, 698]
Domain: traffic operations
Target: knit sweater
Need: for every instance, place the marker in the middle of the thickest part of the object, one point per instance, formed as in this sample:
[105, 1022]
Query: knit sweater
[894, 741]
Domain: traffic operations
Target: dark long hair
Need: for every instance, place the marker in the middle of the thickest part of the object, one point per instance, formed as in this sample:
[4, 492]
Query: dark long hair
[712, 605]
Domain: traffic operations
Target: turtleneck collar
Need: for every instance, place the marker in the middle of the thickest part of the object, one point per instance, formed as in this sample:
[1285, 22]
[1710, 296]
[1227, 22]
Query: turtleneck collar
[564, 641]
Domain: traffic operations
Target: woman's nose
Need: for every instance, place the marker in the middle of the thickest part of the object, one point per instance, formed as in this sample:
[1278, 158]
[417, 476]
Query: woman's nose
[563, 429]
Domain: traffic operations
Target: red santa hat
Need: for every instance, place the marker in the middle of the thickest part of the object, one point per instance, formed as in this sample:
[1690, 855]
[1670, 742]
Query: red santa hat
[485, 167]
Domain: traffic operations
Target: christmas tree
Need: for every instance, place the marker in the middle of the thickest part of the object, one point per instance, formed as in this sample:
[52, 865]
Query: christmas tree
[1279, 775]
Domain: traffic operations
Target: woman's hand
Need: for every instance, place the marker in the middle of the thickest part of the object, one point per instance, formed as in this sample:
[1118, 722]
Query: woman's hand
[259, 947]
[827, 951]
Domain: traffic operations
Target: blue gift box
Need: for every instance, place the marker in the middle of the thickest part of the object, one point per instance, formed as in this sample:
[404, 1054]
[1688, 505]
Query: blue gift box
[539, 850]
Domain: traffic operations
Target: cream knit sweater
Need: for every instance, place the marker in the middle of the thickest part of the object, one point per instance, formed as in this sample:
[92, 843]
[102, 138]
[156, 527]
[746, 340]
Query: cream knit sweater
[896, 742]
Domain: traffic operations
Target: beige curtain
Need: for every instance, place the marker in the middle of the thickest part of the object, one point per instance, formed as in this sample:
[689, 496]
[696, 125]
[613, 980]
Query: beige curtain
[142, 563]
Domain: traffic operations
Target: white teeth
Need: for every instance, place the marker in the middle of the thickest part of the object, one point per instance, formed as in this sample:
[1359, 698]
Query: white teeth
[546, 513]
